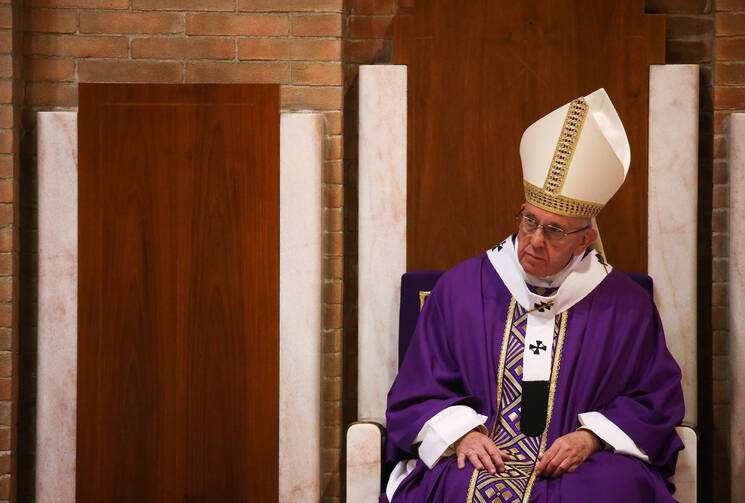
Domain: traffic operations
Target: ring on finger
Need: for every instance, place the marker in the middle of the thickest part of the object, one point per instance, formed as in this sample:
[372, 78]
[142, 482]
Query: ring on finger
[469, 452]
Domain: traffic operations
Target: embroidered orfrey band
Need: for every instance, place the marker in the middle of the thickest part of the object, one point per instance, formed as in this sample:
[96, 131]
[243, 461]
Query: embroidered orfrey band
[564, 151]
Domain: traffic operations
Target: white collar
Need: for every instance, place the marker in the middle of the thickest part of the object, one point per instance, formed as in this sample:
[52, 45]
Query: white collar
[581, 277]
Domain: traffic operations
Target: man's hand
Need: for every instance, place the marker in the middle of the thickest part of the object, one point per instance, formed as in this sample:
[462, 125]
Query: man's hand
[481, 451]
[567, 453]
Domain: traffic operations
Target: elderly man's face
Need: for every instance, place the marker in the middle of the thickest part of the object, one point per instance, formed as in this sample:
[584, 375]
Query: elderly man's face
[541, 257]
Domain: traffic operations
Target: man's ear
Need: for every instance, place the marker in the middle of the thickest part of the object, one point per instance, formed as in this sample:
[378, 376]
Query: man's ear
[588, 237]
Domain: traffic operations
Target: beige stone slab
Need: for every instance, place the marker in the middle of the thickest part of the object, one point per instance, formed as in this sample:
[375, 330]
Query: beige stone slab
[673, 213]
[300, 287]
[737, 302]
[364, 458]
[57, 315]
[685, 472]
[382, 231]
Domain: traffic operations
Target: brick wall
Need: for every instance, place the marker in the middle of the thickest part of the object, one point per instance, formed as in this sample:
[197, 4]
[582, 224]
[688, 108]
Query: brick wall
[729, 96]
[10, 97]
[295, 43]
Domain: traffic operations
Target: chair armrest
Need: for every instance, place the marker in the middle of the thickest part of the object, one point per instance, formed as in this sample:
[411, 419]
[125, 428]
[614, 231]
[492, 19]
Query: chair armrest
[685, 473]
[364, 461]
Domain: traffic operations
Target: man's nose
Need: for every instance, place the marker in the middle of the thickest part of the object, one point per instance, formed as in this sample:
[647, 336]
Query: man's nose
[537, 239]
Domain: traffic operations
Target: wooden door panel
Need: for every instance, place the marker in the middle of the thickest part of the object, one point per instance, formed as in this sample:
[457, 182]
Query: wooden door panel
[480, 72]
[179, 288]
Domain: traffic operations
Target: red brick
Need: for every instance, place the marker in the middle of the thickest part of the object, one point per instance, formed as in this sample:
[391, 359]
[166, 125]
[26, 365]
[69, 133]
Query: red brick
[720, 147]
[129, 71]
[333, 291]
[182, 5]
[720, 391]
[6, 91]
[729, 23]
[333, 171]
[60, 95]
[334, 147]
[257, 73]
[6, 42]
[58, 69]
[721, 121]
[83, 4]
[291, 5]
[334, 123]
[729, 97]
[183, 48]
[6, 142]
[370, 27]
[6, 310]
[6, 393]
[729, 49]
[6, 66]
[372, 6]
[720, 249]
[317, 25]
[719, 294]
[6, 359]
[130, 22]
[6, 211]
[6, 171]
[334, 196]
[6, 439]
[720, 196]
[289, 49]
[6, 16]
[317, 74]
[722, 5]
[77, 45]
[6, 120]
[368, 51]
[52, 21]
[237, 24]
[693, 51]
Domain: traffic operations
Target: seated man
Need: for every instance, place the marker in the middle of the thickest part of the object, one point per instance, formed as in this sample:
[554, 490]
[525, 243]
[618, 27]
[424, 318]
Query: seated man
[536, 372]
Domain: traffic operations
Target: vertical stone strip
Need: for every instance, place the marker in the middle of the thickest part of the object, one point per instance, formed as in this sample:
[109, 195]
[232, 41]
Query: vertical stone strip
[382, 230]
[673, 213]
[737, 301]
[364, 461]
[58, 305]
[300, 287]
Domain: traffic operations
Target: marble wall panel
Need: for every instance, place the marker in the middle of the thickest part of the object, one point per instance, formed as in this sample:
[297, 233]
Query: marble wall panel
[382, 230]
[301, 161]
[58, 304]
[300, 286]
[737, 300]
[364, 451]
[672, 212]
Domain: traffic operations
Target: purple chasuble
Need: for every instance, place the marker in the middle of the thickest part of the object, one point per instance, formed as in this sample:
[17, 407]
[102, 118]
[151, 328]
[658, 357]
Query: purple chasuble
[609, 356]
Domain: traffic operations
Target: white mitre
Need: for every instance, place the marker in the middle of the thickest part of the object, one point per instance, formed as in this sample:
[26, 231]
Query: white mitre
[575, 158]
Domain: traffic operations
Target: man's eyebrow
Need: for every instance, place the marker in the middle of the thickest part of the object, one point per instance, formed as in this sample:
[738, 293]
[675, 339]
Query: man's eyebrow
[555, 224]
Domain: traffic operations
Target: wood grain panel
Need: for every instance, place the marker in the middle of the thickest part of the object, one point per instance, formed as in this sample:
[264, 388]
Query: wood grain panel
[178, 293]
[482, 71]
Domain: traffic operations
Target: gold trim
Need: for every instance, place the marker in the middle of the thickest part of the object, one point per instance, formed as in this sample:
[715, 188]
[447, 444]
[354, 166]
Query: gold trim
[500, 376]
[551, 393]
[561, 205]
[565, 146]
[423, 294]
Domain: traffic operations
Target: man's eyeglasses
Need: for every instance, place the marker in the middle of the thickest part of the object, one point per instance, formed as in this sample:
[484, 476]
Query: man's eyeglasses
[551, 232]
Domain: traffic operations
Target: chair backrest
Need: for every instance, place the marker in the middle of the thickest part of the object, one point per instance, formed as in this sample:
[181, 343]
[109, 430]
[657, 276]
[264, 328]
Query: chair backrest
[416, 285]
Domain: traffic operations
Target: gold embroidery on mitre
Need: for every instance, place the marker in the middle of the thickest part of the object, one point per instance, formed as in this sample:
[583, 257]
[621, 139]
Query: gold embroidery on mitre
[561, 205]
[564, 151]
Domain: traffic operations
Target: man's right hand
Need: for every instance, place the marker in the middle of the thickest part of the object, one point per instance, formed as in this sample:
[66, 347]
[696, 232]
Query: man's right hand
[481, 451]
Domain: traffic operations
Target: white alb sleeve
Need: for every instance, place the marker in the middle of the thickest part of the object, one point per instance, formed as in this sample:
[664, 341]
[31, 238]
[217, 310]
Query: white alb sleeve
[443, 429]
[611, 434]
